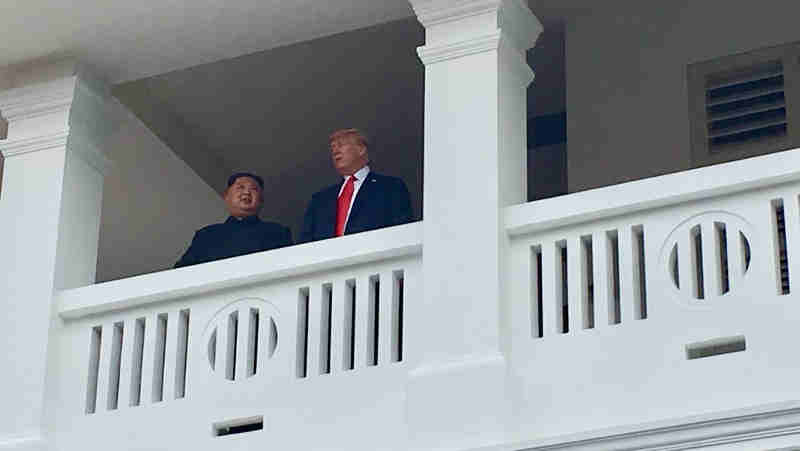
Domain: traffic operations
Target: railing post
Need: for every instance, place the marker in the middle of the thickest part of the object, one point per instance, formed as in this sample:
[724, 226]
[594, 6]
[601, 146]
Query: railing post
[475, 164]
[49, 221]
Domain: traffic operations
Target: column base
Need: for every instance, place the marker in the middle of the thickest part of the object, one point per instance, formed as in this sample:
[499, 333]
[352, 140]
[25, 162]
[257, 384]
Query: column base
[23, 443]
[459, 404]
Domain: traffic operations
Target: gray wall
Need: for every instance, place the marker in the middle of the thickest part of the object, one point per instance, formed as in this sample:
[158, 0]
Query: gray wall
[627, 105]
[152, 204]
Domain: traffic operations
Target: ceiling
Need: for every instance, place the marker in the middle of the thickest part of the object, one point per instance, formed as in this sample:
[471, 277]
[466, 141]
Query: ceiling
[127, 40]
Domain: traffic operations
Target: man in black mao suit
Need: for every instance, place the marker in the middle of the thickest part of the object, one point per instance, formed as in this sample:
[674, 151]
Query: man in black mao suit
[363, 200]
[243, 232]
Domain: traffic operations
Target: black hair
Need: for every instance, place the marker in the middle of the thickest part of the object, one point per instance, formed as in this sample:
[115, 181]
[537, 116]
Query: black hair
[232, 179]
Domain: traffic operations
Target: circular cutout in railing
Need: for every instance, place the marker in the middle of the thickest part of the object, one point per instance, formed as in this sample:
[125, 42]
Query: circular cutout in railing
[708, 255]
[242, 338]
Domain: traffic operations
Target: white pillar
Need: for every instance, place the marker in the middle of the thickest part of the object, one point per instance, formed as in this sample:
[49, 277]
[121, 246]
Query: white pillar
[49, 221]
[475, 164]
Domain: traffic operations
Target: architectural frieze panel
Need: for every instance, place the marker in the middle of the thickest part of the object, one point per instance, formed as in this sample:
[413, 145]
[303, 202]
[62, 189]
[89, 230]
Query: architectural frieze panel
[38, 100]
[438, 53]
[13, 147]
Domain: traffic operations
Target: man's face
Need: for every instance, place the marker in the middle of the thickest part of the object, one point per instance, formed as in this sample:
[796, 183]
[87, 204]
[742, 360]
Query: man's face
[244, 197]
[348, 155]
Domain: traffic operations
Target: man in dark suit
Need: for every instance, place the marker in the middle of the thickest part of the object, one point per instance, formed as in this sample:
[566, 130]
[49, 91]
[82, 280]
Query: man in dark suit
[363, 200]
[243, 232]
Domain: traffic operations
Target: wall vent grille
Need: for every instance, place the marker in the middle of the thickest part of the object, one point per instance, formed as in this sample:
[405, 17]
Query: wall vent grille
[743, 105]
[746, 104]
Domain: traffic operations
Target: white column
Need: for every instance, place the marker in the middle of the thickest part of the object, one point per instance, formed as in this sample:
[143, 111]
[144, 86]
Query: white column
[475, 164]
[49, 223]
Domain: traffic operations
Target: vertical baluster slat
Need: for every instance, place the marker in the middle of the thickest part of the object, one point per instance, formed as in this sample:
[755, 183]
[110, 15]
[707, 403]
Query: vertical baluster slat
[103, 376]
[576, 282]
[315, 330]
[712, 273]
[687, 264]
[551, 294]
[736, 261]
[244, 325]
[388, 291]
[171, 356]
[126, 363]
[627, 268]
[601, 265]
[338, 326]
[223, 336]
[362, 320]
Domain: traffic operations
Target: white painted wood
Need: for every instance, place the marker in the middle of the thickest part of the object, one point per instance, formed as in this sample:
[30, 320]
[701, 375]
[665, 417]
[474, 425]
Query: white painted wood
[627, 290]
[242, 343]
[711, 260]
[293, 261]
[686, 265]
[385, 331]
[262, 358]
[736, 260]
[170, 355]
[551, 299]
[601, 265]
[104, 367]
[338, 326]
[362, 319]
[148, 359]
[315, 331]
[576, 291]
[50, 210]
[126, 363]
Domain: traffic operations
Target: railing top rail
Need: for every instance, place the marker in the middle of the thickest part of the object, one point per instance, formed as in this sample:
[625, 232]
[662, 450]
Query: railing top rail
[399, 241]
[655, 192]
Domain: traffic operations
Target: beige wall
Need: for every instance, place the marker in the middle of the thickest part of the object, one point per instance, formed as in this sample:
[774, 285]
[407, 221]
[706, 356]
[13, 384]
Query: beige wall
[627, 105]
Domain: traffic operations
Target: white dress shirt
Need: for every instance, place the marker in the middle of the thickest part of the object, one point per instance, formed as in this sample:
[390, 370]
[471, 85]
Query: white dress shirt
[360, 175]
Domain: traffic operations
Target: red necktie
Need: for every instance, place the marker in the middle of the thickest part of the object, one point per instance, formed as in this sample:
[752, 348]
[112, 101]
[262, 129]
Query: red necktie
[344, 204]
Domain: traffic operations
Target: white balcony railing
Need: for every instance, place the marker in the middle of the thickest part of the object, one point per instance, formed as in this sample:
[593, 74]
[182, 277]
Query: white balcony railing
[630, 306]
[286, 340]
[657, 299]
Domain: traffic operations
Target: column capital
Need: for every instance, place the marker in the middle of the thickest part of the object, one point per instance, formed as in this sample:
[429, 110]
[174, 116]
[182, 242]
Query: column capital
[448, 22]
[38, 100]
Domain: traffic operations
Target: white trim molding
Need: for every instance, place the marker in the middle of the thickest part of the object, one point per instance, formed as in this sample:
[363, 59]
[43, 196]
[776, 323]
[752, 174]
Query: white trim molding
[436, 12]
[511, 16]
[37, 100]
[695, 432]
[13, 147]
[438, 53]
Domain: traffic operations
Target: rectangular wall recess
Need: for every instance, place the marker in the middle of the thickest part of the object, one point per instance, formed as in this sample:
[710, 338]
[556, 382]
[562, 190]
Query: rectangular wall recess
[238, 426]
[781, 253]
[301, 370]
[537, 326]
[326, 326]
[115, 366]
[158, 358]
[136, 362]
[94, 368]
[373, 306]
[717, 346]
[182, 354]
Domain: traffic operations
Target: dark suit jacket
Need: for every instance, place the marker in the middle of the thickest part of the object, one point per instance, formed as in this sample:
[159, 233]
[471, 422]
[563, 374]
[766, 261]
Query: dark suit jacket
[233, 238]
[382, 201]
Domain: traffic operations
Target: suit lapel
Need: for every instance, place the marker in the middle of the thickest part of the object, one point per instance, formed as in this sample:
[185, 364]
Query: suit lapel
[366, 191]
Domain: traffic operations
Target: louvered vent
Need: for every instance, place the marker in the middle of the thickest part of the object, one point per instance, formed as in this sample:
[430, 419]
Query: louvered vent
[746, 105]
